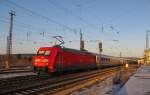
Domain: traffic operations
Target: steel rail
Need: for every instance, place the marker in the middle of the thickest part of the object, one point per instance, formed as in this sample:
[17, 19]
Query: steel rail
[51, 84]
[15, 71]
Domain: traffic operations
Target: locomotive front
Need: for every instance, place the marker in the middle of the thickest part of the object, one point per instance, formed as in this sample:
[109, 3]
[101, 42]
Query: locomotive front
[41, 60]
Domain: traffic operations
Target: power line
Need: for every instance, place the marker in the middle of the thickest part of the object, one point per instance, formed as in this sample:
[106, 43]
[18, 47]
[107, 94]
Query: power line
[41, 16]
[24, 25]
[147, 39]
[37, 14]
[57, 5]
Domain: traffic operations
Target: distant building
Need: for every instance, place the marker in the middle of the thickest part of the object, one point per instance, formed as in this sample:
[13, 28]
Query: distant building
[147, 56]
[141, 61]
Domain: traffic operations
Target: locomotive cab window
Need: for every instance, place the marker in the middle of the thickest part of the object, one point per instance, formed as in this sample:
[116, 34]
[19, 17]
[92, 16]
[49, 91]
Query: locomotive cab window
[44, 52]
[47, 52]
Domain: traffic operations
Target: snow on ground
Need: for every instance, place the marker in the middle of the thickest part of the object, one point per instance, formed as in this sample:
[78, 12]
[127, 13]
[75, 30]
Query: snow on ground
[139, 84]
[10, 75]
[105, 87]
[109, 86]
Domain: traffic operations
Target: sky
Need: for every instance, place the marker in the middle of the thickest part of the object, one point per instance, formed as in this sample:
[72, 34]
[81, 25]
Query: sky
[120, 25]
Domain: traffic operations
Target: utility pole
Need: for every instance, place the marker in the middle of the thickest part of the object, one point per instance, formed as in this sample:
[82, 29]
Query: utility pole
[147, 40]
[120, 54]
[81, 41]
[100, 47]
[100, 50]
[9, 41]
[146, 56]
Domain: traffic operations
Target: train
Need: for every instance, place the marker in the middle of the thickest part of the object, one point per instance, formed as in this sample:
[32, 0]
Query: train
[57, 59]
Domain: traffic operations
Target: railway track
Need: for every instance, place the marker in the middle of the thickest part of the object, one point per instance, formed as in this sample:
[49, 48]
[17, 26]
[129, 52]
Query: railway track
[15, 70]
[12, 84]
[38, 85]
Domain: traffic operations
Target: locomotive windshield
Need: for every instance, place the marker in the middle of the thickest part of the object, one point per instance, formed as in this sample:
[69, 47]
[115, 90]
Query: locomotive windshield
[44, 52]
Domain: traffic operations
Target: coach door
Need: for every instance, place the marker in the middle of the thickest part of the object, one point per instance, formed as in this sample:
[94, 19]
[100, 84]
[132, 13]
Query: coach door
[97, 61]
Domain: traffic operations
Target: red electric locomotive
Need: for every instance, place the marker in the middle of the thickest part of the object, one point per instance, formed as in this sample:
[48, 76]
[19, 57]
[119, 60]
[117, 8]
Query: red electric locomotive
[57, 59]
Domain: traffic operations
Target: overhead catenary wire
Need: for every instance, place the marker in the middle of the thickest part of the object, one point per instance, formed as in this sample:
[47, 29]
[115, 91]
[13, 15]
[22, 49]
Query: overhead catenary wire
[58, 5]
[49, 20]
[23, 25]
[27, 32]
[35, 13]
[66, 10]
[114, 28]
[41, 16]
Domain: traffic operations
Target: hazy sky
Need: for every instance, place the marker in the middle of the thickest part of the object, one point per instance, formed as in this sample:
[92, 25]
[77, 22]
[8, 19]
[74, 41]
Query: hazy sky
[36, 21]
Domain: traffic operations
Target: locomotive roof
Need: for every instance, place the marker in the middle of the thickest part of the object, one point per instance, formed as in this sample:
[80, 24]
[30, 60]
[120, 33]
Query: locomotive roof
[79, 51]
[75, 50]
[108, 56]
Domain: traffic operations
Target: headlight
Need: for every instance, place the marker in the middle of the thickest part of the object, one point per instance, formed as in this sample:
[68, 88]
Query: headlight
[35, 63]
[37, 60]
